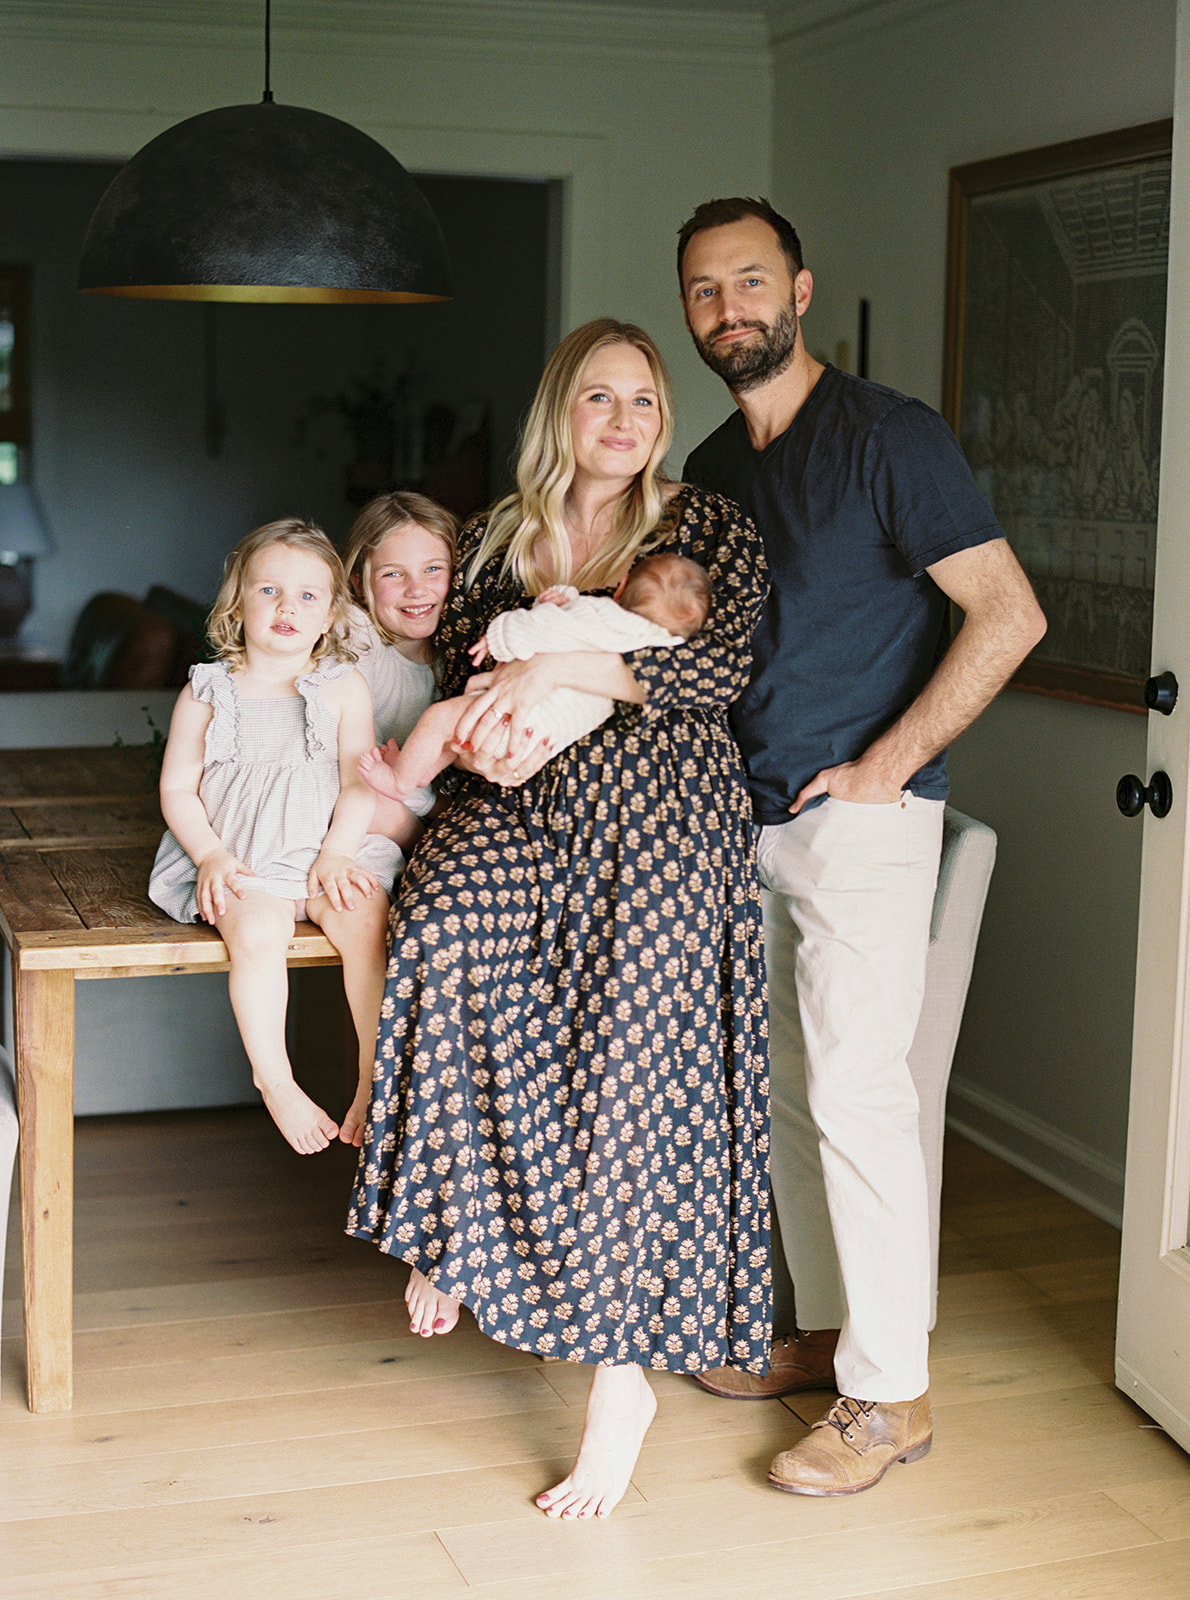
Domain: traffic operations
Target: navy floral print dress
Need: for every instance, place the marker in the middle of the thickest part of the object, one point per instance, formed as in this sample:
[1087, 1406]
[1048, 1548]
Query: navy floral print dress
[569, 1122]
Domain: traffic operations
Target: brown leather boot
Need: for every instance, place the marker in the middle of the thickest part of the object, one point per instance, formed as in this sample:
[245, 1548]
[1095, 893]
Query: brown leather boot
[853, 1446]
[798, 1361]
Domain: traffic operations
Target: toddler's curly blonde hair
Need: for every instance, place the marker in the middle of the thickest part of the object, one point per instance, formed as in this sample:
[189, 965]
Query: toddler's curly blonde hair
[225, 626]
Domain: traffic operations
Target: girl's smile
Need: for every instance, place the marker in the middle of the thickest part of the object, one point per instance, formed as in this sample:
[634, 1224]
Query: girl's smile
[409, 575]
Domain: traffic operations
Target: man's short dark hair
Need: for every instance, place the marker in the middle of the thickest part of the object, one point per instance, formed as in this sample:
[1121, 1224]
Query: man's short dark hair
[717, 213]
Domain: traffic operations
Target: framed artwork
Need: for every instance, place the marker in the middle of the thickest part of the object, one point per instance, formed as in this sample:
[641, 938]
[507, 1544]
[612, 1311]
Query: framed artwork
[14, 354]
[1055, 343]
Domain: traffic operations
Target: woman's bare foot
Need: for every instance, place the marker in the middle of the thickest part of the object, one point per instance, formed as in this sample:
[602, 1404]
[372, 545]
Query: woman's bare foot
[351, 1130]
[430, 1311]
[620, 1407]
[305, 1125]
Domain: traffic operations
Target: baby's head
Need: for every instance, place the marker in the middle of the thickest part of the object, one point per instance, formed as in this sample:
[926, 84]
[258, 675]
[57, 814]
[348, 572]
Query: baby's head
[670, 590]
[225, 626]
[409, 537]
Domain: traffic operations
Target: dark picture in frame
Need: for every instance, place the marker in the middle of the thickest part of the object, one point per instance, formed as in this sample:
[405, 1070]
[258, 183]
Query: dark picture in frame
[1054, 363]
[14, 380]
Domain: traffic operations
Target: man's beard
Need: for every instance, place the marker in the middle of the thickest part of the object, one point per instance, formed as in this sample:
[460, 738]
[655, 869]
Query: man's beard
[744, 367]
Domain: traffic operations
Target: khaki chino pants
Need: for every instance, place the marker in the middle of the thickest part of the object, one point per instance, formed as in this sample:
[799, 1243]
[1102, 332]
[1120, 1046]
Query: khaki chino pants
[848, 1176]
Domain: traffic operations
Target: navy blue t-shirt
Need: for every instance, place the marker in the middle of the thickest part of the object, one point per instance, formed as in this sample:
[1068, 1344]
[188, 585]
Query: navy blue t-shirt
[864, 490]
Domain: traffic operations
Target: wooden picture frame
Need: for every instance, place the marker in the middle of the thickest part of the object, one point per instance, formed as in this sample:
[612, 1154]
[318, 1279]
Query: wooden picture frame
[14, 353]
[1057, 262]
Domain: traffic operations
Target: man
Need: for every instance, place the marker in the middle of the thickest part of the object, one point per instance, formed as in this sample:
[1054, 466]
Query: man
[872, 525]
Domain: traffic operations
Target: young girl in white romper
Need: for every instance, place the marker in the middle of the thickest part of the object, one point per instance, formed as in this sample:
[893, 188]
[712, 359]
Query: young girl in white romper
[269, 820]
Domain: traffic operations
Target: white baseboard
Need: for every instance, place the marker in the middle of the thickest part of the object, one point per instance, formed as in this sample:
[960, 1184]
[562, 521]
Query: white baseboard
[1083, 1175]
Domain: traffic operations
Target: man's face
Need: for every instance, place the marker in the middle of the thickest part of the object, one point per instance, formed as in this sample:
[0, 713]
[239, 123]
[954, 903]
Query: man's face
[742, 303]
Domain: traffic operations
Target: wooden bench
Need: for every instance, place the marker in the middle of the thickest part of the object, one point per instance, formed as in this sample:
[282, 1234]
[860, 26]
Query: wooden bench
[78, 831]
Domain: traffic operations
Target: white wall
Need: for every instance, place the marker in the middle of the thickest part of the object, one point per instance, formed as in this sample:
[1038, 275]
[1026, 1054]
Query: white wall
[870, 113]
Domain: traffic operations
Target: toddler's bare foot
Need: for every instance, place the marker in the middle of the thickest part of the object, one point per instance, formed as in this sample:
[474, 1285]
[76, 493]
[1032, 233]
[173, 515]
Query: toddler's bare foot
[351, 1131]
[305, 1125]
[430, 1311]
[620, 1407]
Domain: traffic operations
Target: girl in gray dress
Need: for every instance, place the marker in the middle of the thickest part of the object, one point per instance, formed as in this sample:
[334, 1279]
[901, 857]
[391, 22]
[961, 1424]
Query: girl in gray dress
[268, 816]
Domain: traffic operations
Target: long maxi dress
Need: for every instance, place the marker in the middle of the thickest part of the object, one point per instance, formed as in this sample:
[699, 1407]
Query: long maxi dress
[569, 1121]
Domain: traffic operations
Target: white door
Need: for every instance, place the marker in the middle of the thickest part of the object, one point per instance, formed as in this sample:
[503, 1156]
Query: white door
[1153, 1340]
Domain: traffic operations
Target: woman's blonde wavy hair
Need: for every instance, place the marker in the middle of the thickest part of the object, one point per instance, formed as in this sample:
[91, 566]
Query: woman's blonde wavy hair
[384, 515]
[225, 626]
[527, 525]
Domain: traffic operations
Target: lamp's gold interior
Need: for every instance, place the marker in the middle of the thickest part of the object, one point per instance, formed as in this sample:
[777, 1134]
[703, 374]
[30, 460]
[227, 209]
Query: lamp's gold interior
[292, 293]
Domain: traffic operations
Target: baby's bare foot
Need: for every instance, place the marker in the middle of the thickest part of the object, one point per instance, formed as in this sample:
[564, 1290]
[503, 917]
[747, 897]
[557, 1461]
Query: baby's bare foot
[376, 772]
[430, 1311]
[620, 1408]
[305, 1125]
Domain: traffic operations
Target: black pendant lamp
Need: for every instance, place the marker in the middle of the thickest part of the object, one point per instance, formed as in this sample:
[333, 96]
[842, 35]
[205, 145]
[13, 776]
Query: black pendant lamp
[265, 202]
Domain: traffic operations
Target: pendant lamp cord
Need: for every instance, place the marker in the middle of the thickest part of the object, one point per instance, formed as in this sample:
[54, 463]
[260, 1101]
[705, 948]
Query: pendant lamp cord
[268, 30]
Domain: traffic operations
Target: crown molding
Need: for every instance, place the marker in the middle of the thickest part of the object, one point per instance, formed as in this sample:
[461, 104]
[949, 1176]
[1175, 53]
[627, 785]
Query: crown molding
[813, 24]
[610, 28]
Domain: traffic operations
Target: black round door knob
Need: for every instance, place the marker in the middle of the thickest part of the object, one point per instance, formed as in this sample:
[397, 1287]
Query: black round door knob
[1161, 693]
[1132, 796]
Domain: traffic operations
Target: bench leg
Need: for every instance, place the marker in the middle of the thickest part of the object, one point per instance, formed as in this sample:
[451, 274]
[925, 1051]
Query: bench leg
[45, 1078]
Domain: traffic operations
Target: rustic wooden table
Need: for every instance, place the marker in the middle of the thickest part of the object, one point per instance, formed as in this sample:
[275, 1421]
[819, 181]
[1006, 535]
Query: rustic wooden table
[78, 831]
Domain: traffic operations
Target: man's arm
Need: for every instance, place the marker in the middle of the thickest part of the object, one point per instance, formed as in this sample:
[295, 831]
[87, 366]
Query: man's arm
[1001, 623]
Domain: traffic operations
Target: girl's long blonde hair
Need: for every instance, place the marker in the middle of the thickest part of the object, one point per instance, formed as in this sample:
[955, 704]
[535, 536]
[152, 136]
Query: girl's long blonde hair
[225, 626]
[385, 514]
[527, 526]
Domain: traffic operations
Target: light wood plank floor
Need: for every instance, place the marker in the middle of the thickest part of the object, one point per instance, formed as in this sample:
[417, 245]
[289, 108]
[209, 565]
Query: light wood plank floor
[252, 1418]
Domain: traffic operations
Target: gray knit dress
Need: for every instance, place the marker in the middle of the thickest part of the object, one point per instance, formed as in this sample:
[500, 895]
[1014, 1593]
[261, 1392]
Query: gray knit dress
[270, 781]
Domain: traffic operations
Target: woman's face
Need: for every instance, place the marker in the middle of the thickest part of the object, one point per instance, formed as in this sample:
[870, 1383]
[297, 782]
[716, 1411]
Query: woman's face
[616, 415]
[409, 574]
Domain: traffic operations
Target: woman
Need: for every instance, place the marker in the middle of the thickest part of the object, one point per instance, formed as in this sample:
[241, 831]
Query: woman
[569, 1122]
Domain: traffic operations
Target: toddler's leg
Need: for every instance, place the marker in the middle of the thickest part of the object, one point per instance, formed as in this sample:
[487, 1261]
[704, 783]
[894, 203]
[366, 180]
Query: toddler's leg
[257, 930]
[361, 938]
[394, 820]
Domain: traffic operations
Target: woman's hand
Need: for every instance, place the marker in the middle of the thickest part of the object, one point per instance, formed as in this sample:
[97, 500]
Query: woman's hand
[506, 699]
[338, 878]
[217, 874]
[507, 771]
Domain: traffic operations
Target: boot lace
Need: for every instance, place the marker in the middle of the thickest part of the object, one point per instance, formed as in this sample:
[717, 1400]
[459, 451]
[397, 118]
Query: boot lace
[847, 1413]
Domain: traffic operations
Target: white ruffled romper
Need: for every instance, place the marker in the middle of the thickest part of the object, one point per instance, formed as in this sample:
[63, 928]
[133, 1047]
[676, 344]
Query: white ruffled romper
[269, 784]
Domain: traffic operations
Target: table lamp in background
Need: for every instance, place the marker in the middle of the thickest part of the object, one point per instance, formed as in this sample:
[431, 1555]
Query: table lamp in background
[23, 536]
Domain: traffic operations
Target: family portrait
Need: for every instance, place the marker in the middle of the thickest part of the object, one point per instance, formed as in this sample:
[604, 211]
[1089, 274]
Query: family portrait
[566, 1029]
